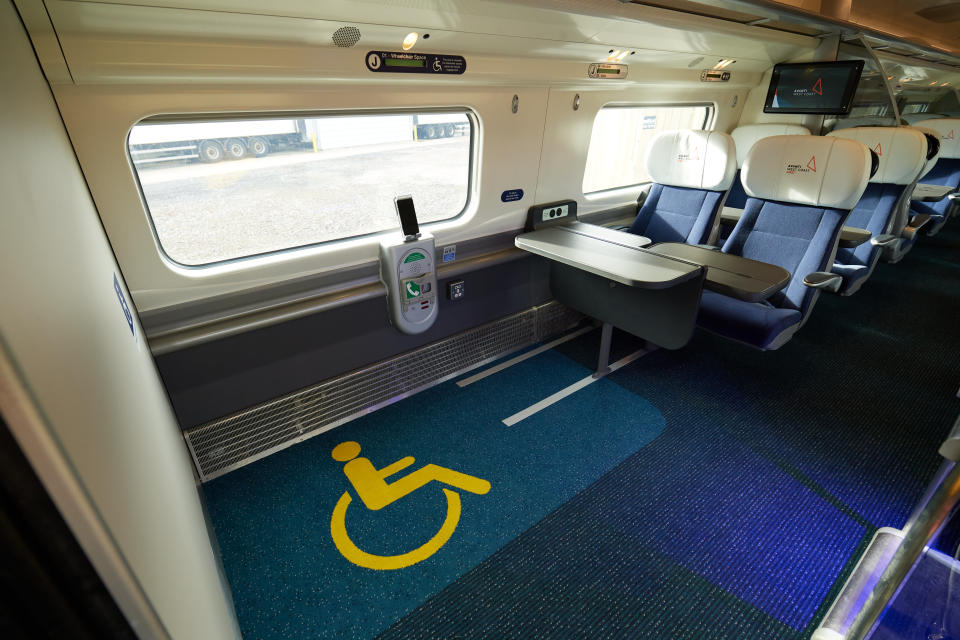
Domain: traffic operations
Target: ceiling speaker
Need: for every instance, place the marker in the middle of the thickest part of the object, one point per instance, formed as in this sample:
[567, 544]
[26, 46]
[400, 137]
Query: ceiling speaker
[346, 36]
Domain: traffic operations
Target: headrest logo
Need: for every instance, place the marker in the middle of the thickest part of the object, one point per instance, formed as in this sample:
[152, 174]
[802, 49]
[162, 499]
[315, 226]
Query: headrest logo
[691, 154]
[878, 149]
[794, 168]
[818, 87]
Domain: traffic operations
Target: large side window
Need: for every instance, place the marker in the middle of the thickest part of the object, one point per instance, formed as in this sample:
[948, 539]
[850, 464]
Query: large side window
[220, 190]
[619, 141]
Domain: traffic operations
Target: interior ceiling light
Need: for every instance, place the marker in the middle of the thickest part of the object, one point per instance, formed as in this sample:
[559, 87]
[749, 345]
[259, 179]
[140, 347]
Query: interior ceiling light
[617, 55]
[723, 63]
[410, 40]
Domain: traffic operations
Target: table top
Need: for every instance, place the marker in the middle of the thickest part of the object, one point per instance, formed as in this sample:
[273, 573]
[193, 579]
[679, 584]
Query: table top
[632, 266]
[610, 235]
[849, 236]
[731, 275]
[931, 192]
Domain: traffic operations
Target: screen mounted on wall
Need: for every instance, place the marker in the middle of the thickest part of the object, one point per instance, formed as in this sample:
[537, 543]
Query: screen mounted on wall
[813, 87]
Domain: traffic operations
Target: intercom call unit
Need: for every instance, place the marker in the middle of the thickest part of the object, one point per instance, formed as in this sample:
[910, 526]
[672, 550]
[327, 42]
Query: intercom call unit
[408, 269]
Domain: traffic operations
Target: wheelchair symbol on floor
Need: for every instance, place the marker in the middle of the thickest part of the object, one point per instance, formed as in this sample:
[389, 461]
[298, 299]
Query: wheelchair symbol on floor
[371, 485]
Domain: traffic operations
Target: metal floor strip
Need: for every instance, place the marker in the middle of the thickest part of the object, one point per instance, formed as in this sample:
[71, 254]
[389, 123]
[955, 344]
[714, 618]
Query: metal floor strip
[573, 388]
[523, 356]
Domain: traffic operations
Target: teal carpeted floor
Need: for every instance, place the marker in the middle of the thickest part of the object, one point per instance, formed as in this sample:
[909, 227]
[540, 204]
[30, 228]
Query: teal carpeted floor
[711, 492]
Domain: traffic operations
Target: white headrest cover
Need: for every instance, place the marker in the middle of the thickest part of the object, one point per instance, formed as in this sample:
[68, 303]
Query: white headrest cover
[933, 159]
[865, 121]
[949, 131]
[902, 151]
[748, 134]
[694, 159]
[813, 170]
[914, 118]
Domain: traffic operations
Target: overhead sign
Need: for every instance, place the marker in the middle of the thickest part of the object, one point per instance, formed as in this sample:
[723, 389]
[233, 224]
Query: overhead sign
[405, 62]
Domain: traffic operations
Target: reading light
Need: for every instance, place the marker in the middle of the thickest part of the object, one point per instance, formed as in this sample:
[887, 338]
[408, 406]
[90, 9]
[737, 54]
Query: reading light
[617, 55]
[410, 40]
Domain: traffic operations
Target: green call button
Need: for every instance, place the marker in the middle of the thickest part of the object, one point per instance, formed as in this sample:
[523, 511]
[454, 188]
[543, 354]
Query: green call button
[413, 257]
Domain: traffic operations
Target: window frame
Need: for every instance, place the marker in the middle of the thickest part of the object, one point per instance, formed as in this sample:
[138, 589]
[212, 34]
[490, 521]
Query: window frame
[185, 118]
[709, 121]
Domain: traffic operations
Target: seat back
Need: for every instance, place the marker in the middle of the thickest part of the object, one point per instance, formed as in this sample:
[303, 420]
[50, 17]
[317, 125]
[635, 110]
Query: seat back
[800, 190]
[947, 169]
[902, 154]
[691, 170]
[745, 137]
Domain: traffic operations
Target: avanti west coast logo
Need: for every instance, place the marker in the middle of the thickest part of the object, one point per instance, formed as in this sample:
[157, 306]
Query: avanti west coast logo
[817, 88]
[795, 167]
[689, 154]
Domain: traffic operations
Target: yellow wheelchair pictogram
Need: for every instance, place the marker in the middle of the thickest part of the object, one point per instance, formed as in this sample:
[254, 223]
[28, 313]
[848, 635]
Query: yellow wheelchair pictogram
[375, 492]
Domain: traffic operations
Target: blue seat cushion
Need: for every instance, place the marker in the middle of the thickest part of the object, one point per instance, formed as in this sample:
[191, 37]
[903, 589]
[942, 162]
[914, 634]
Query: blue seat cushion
[737, 197]
[799, 238]
[754, 323]
[677, 214]
[947, 173]
[873, 213]
[852, 274]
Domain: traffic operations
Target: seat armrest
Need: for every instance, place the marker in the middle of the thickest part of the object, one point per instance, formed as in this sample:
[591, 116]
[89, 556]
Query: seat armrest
[917, 221]
[883, 240]
[823, 280]
[707, 246]
[950, 449]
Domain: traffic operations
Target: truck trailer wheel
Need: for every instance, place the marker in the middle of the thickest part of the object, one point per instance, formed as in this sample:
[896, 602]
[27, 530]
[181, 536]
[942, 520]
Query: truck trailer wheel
[258, 146]
[210, 151]
[235, 148]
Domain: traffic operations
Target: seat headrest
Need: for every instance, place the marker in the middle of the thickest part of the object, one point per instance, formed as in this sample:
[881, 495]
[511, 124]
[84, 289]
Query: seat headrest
[813, 170]
[865, 121]
[693, 159]
[933, 149]
[748, 134]
[916, 118]
[949, 131]
[902, 151]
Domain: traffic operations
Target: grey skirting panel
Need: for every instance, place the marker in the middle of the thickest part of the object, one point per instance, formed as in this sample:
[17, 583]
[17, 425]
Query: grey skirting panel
[225, 444]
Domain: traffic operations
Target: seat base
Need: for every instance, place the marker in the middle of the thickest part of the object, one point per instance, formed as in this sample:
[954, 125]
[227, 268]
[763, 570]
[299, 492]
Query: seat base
[752, 323]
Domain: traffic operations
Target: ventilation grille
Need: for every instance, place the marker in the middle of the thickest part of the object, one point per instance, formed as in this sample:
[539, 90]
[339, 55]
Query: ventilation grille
[231, 442]
[346, 36]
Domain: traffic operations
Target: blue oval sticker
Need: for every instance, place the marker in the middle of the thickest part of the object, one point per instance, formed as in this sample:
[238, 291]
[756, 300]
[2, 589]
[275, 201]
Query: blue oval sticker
[511, 195]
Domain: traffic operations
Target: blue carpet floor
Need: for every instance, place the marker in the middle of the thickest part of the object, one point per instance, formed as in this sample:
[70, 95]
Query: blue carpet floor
[711, 492]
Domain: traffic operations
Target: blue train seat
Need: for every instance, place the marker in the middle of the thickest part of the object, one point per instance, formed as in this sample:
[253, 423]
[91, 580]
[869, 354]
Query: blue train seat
[902, 154]
[801, 189]
[745, 137]
[691, 171]
[946, 172]
[903, 226]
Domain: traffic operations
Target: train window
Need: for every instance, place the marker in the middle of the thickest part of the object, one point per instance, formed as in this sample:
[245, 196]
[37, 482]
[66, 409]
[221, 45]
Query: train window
[221, 190]
[619, 141]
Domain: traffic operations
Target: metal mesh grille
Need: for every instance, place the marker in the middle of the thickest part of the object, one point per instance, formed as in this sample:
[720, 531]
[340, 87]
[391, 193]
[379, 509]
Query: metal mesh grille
[225, 444]
[346, 36]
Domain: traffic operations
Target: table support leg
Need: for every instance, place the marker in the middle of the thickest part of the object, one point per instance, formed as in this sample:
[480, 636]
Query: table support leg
[603, 362]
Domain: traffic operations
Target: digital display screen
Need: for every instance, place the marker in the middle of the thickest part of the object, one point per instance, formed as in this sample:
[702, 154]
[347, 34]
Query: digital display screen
[403, 62]
[813, 87]
[615, 71]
